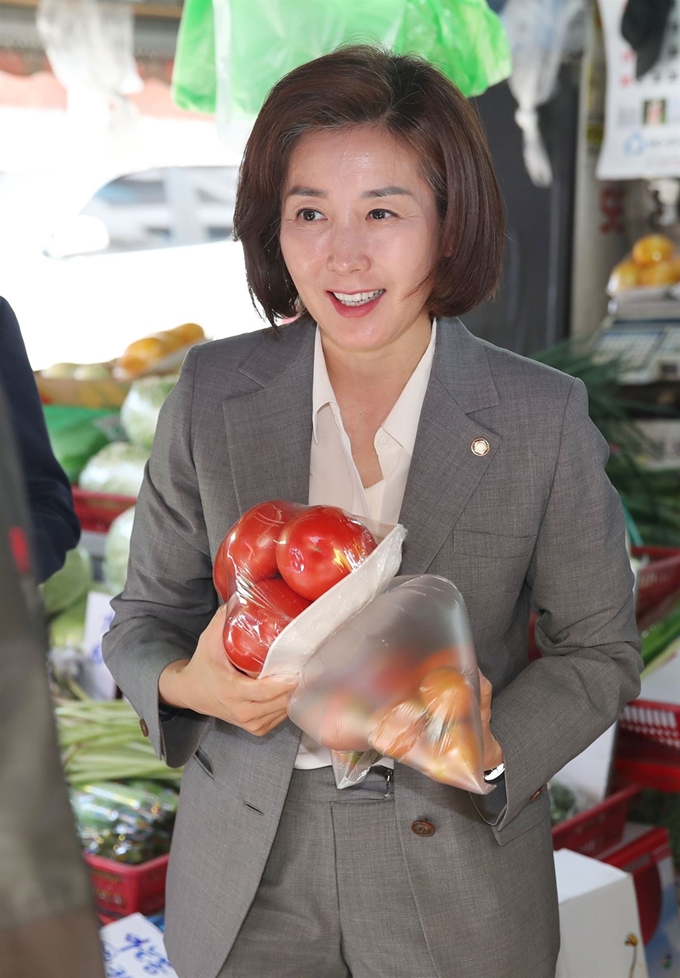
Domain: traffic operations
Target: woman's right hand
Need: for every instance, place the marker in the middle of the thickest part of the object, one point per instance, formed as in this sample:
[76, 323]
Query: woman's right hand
[208, 683]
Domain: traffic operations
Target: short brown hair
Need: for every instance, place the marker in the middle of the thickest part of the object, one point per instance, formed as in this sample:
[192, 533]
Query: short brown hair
[415, 103]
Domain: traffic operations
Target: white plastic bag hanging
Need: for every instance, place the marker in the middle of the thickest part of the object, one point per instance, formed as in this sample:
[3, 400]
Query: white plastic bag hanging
[541, 33]
[90, 45]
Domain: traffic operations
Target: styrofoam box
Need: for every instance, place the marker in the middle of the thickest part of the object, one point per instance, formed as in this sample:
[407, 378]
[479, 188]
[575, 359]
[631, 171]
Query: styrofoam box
[598, 918]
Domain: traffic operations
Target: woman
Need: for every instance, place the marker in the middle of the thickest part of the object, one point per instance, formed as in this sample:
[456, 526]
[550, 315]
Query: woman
[367, 203]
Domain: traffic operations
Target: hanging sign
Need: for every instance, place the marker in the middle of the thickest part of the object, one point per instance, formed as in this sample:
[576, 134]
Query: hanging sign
[642, 114]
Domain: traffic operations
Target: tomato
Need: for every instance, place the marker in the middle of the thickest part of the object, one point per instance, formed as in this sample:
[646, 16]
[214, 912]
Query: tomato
[447, 695]
[319, 547]
[256, 620]
[249, 548]
[395, 730]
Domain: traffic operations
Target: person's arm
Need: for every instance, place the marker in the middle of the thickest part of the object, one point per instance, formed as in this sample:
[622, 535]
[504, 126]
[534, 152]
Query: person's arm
[165, 647]
[582, 591]
[55, 526]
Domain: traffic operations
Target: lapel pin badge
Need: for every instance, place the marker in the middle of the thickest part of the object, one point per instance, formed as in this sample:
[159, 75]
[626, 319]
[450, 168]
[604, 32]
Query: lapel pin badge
[480, 446]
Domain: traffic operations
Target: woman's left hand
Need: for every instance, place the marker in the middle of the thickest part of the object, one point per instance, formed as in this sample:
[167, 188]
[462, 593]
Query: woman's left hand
[493, 752]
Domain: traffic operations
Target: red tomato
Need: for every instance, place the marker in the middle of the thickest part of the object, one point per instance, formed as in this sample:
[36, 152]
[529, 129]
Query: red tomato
[319, 547]
[249, 548]
[256, 620]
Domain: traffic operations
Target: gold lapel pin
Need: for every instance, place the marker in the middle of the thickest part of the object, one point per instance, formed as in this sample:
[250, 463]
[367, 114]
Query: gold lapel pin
[480, 446]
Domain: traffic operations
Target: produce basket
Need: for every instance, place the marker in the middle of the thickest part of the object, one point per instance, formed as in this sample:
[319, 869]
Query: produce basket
[97, 510]
[598, 828]
[648, 748]
[658, 583]
[120, 889]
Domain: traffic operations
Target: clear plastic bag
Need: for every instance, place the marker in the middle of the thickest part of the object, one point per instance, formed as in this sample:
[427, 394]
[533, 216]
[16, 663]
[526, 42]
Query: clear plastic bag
[400, 679]
[291, 575]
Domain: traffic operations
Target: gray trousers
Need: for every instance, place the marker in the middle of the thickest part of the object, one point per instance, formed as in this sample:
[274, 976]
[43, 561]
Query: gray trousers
[334, 900]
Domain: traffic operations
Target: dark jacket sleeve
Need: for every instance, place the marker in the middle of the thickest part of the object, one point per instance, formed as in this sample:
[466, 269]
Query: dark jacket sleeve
[55, 525]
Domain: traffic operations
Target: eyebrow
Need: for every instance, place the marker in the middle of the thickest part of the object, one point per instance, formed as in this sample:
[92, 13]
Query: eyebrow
[393, 191]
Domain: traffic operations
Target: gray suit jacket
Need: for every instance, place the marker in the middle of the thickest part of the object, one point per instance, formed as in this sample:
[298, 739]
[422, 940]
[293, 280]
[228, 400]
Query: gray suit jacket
[535, 522]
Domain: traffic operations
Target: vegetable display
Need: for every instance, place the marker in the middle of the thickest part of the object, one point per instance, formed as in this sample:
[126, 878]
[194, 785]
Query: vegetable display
[130, 822]
[101, 740]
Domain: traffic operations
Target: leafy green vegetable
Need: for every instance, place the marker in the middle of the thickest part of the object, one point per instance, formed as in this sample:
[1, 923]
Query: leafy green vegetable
[118, 469]
[70, 585]
[141, 407]
[117, 550]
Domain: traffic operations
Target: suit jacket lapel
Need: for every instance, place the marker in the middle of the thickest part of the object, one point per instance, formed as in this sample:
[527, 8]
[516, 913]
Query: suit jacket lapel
[269, 428]
[444, 470]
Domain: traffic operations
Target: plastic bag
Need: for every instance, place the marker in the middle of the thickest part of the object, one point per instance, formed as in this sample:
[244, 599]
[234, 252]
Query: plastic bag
[117, 469]
[254, 43]
[400, 680]
[292, 575]
[541, 33]
[141, 407]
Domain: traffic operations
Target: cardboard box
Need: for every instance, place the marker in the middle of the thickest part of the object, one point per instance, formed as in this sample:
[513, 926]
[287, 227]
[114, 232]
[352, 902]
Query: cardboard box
[104, 393]
[599, 922]
[645, 853]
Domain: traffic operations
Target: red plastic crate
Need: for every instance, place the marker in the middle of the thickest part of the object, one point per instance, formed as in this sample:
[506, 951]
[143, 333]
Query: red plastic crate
[598, 828]
[97, 510]
[658, 583]
[659, 722]
[641, 857]
[120, 890]
[648, 745]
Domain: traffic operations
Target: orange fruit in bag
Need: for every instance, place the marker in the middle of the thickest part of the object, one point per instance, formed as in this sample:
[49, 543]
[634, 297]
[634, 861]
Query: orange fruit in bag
[447, 695]
[394, 730]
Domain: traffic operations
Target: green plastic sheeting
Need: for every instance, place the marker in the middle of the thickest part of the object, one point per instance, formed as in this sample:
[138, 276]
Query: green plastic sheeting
[268, 38]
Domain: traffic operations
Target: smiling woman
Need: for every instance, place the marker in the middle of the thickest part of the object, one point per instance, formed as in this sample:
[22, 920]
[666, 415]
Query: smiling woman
[369, 212]
[363, 272]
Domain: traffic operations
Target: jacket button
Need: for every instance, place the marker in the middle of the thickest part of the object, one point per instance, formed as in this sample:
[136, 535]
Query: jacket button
[423, 828]
[144, 728]
[536, 794]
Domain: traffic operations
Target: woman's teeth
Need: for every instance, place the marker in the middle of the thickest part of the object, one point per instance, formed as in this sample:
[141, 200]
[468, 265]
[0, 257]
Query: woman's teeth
[358, 299]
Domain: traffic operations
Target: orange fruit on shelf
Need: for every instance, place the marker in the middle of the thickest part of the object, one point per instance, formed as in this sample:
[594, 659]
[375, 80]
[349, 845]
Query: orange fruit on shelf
[189, 333]
[661, 273]
[653, 248]
[624, 276]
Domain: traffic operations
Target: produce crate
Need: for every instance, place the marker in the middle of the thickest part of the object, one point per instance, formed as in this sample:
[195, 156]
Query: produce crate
[659, 722]
[97, 510]
[597, 829]
[648, 747]
[658, 583]
[120, 889]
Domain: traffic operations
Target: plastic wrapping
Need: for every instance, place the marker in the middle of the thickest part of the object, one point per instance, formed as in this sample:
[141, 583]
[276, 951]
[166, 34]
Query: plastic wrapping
[130, 823]
[291, 575]
[399, 679]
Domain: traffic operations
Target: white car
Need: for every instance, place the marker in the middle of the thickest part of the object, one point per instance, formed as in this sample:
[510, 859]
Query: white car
[141, 256]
